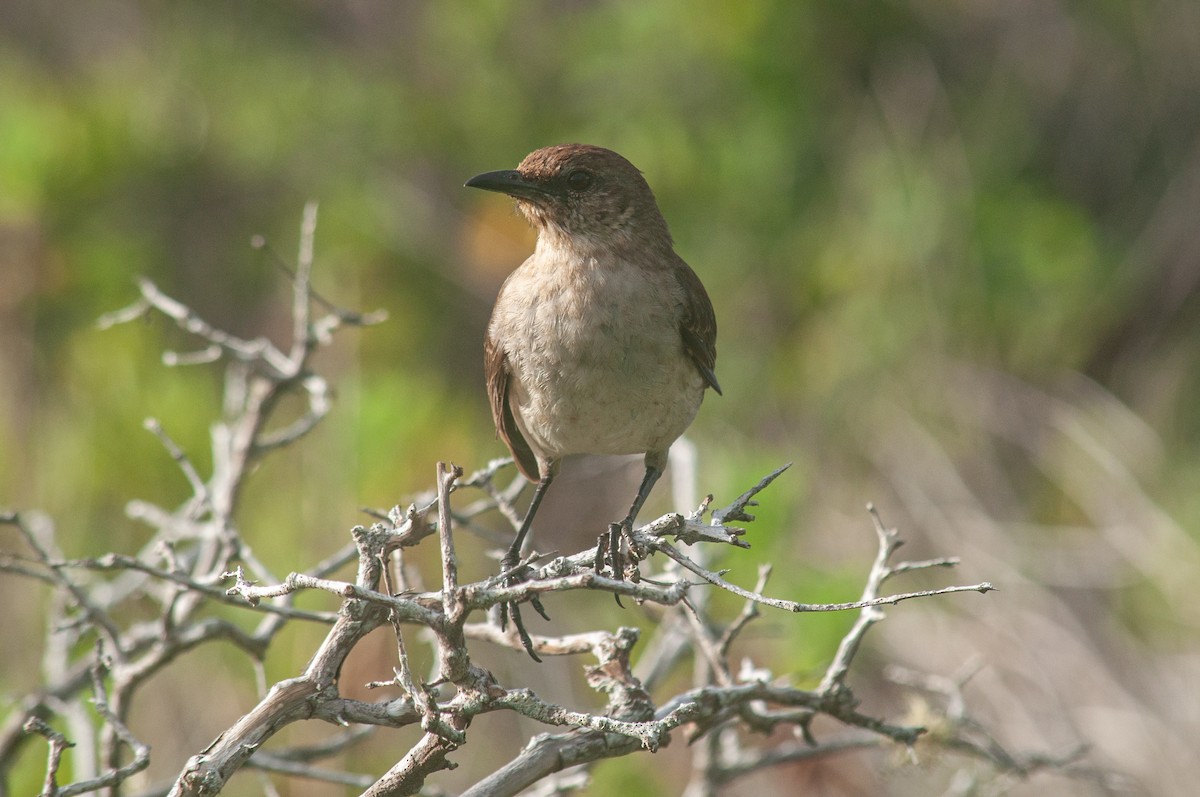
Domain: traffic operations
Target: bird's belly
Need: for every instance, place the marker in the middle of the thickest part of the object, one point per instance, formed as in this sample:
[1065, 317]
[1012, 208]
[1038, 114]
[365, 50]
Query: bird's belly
[593, 412]
[617, 383]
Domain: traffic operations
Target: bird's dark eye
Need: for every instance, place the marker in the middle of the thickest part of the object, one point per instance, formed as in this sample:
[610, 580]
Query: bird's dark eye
[579, 180]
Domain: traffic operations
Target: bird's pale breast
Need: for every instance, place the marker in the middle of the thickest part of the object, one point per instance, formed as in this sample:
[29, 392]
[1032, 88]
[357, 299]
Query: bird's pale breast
[611, 380]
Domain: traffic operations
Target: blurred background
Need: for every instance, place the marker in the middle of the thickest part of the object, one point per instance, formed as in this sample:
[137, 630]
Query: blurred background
[954, 252]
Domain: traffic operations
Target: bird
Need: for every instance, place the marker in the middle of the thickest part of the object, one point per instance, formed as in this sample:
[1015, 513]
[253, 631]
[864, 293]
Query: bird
[603, 341]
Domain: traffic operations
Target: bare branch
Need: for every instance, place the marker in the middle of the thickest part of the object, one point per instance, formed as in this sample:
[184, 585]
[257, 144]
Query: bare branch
[194, 546]
[58, 745]
[450, 597]
[270, 762]
[737, 509]
[199, 488]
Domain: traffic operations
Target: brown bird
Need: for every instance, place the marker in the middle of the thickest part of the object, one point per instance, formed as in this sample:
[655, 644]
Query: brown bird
[604, 340]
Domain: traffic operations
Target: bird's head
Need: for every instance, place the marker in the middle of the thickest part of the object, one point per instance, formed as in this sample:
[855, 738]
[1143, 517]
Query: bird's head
[582, 196]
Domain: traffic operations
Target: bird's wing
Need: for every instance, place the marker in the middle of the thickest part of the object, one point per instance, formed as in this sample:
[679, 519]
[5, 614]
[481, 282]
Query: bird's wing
[496, 370]
[699, 325]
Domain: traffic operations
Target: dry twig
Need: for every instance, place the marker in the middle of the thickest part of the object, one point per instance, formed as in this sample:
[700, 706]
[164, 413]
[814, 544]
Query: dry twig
[197, 549]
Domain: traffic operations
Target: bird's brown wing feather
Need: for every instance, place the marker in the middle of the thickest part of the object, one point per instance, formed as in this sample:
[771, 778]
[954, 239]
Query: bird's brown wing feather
[699, 326]
[496, 371]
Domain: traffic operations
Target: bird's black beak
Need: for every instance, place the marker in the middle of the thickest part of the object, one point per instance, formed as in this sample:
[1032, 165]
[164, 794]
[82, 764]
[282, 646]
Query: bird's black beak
[509, 182]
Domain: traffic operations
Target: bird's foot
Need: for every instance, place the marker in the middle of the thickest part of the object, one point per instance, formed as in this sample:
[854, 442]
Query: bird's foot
[513, 575]
[610, 550]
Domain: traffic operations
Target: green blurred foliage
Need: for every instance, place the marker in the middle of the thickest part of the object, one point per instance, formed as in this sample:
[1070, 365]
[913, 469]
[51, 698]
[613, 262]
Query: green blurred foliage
[865, 187]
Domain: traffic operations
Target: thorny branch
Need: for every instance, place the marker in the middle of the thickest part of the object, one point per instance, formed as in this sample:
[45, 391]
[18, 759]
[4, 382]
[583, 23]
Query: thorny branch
[197, 558]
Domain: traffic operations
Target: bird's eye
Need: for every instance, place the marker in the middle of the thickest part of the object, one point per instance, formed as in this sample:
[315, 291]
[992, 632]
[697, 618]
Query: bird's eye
[579, 180]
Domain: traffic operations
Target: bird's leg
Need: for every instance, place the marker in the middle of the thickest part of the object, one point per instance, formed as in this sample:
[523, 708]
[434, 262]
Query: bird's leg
[611, 542]
[509, 563]
[648, 482]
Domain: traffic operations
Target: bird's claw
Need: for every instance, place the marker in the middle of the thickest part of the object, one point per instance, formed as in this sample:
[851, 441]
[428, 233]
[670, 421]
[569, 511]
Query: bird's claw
[515, 576]
[536, 603]
[609, 551]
